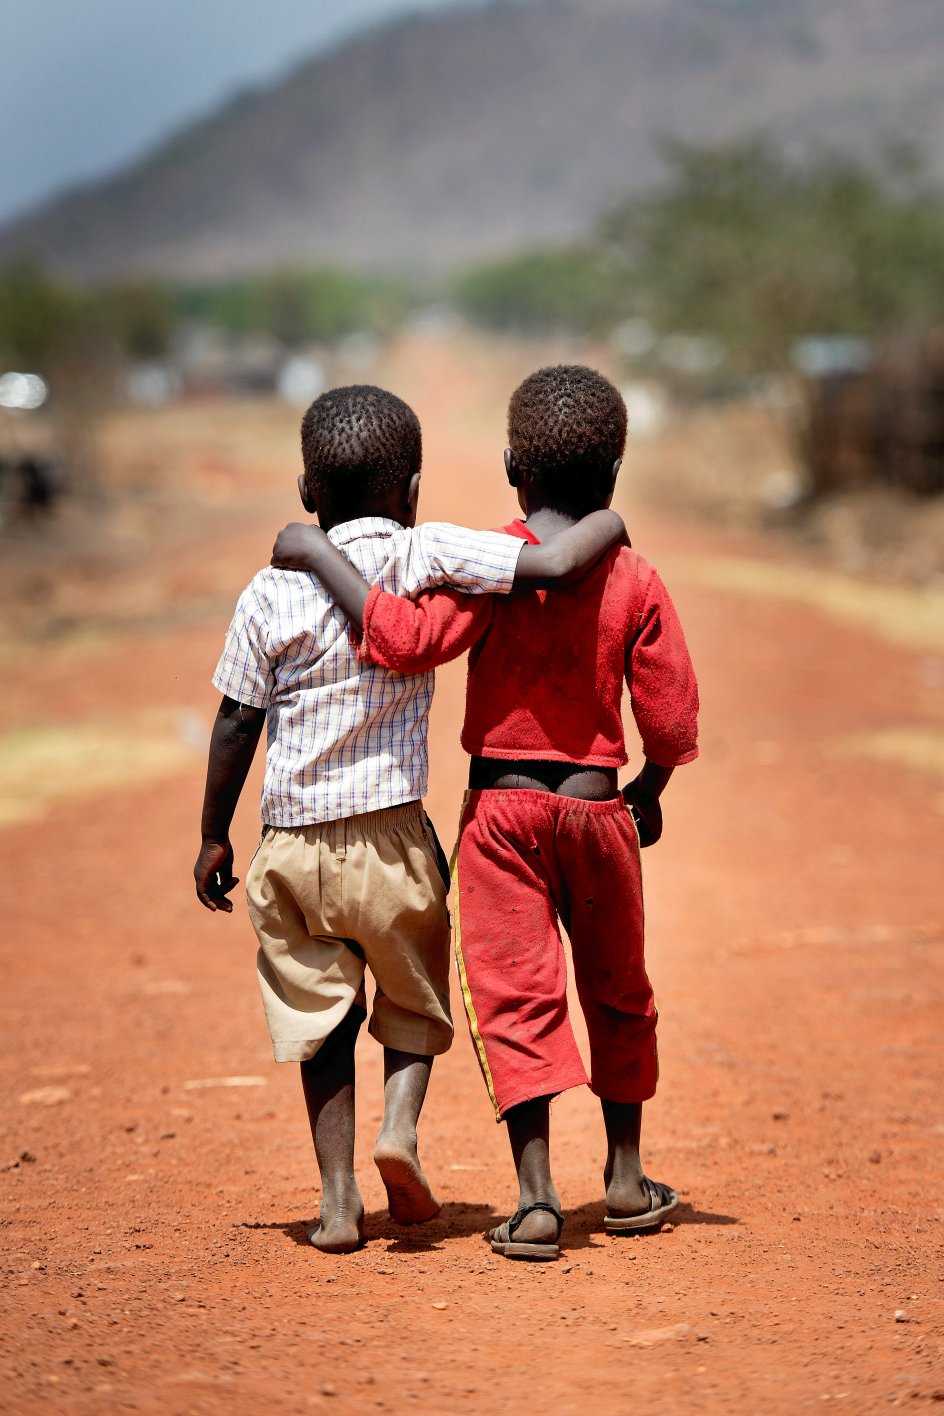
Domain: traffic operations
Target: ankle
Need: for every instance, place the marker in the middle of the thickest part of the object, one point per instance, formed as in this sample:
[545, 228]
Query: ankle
[538, 1193]
[341, 1195]
[624, 1162]
[402, 1132]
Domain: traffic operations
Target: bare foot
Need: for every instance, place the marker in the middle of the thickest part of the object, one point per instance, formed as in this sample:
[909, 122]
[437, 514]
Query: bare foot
[409, 1197]
[341, 1232]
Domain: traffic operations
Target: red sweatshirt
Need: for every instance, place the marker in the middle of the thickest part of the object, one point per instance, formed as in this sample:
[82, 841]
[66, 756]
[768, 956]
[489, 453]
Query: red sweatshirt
[546, 669]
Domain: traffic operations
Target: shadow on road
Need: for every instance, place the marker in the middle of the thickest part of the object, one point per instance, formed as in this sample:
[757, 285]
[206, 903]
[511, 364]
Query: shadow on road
[583, 1227]
[456, 1221]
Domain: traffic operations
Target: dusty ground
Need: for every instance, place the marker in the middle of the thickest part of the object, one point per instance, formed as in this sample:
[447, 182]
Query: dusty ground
[153, 1219]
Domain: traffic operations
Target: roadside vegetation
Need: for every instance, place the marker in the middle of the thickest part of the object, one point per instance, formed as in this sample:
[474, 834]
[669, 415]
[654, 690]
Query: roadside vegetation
[744, 243]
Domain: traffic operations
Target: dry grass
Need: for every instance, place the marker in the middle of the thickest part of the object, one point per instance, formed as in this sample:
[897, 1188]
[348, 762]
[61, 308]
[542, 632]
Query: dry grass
[48, 763]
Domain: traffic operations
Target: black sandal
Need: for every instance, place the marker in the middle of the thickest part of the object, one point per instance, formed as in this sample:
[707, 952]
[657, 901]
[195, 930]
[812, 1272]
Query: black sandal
[511, 1248]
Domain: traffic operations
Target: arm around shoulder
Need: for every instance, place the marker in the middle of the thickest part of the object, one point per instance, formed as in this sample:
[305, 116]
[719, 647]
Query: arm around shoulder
[568, 554]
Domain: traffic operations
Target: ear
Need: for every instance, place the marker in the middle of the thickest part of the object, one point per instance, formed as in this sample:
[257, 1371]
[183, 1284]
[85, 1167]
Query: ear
[412, 498]
[307, 499]
[613, 476]
[512, 470]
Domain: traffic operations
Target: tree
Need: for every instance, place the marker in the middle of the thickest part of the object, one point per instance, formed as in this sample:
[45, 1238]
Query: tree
[537, 292]
[759, 249]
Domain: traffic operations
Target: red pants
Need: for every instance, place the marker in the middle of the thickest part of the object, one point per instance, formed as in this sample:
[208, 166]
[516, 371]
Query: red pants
[526, 859]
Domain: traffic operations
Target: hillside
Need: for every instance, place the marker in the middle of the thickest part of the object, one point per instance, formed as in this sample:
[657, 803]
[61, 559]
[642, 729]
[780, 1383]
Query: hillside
[445, 138]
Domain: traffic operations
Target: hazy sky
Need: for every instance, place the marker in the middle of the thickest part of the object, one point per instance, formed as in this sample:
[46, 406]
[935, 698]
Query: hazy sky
[87, 84]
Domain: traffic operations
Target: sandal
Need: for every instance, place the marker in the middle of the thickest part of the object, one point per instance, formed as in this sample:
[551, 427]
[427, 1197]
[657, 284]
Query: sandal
[662, 1201]
[517, 1249]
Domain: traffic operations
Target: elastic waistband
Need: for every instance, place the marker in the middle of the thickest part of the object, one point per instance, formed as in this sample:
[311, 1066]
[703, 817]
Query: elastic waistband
[368, 823]
[529, 796]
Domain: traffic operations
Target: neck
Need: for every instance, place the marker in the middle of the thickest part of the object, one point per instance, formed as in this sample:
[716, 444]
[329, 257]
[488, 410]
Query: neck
[546, 521]
[327, 522]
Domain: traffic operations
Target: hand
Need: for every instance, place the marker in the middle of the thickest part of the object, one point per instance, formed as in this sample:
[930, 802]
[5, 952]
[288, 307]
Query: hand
[213, 874]
[647, 812]
[296, 546]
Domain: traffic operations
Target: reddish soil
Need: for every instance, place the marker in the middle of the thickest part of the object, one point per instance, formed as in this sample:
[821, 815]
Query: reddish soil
[154, 1254]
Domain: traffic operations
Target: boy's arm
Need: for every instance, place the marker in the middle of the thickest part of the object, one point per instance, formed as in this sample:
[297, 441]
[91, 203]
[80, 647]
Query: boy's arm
[642, 795]
[236, 732]
[301, 546]
[664, 695]
[415, 636]
[245, 678]
[410, 636]
[569, 554]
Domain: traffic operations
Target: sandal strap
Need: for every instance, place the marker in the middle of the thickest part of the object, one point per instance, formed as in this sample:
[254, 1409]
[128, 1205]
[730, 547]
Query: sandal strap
[658, 1193]
[517, 1220]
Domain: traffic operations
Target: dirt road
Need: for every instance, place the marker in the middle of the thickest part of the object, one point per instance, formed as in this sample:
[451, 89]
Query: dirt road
[153, 1220]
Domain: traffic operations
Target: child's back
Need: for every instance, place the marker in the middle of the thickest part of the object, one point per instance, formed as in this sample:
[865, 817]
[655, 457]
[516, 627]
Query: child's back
[545, 833]
[345, 737]
[348, 875]
[546, 676]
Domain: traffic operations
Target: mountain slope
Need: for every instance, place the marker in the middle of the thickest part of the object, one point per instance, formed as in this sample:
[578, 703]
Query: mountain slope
[445, 138]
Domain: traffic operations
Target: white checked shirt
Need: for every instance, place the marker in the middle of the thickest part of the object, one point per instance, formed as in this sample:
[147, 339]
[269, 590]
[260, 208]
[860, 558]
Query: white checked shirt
[346, 737]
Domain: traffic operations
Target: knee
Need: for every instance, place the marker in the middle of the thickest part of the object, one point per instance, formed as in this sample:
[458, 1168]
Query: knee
[340, 1040]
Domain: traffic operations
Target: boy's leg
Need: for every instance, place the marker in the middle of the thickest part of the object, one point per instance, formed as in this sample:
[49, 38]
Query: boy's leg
[328, 1082]
[529, 1136]
[604, 918]
[398, 911]
[634, 1203]
[406, 1077]
[512, 967]
[622, 1176]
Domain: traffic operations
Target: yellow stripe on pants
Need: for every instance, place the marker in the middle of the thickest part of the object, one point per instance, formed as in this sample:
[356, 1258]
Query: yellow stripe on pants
[463, 978]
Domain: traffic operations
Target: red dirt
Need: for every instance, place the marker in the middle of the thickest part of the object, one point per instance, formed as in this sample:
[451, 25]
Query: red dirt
[154, 1254]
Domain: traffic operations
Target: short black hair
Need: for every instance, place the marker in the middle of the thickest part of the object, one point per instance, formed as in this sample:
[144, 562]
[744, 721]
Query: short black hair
[566, 428]
[358, 442]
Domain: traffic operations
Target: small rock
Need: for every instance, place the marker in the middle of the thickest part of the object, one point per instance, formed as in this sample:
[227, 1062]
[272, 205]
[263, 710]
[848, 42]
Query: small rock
[667, 1228]
[440, 1306]
[24, 1158]
[329, 1390]
[901, 1317]
[780, 1115]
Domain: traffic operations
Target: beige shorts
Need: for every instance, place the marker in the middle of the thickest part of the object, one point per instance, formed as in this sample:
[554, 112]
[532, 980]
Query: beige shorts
[332, 900]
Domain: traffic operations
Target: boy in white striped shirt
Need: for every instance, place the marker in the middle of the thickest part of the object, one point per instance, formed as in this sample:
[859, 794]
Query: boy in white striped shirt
[349, 874]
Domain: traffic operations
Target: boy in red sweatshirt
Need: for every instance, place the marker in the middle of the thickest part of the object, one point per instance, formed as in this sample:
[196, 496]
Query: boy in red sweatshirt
[546, 836]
